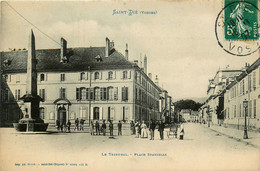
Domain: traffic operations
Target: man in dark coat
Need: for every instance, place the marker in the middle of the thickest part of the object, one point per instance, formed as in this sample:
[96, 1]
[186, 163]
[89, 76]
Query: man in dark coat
[76, 124]
[97, 128]
[161, 129]
[104, 127]
[58, 124]
[68, 125]
[152, 128]
[111, 128]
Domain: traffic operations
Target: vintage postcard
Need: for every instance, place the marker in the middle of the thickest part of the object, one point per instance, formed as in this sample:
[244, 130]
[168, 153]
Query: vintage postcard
[130, 85]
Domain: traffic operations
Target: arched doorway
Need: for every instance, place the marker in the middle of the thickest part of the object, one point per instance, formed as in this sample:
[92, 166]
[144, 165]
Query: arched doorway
[62, 114]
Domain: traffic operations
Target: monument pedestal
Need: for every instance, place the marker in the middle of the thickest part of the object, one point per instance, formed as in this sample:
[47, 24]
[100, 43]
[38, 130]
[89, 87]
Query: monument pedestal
[30, 125]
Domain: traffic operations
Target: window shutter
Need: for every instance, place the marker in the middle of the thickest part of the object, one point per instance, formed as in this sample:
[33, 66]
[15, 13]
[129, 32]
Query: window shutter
[123, 93]
[91, 113]
[114, 74]
[100, 113]
[126, 93]
[77, 93]
[60, 95]
[115, 93]
[86, 76]
[126, 113]
[100, 75]
[45, 77]
[112, 113]
[129, 74]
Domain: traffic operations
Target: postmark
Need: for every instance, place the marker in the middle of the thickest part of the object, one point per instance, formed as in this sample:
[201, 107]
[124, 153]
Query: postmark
[237, 27]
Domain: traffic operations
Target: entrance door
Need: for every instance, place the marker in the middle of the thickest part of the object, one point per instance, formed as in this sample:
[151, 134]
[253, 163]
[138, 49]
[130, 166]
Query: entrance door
[62, 115]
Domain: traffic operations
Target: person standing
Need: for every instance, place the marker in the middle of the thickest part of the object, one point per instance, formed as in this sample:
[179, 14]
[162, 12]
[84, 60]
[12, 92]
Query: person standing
[104, 128]
[76, 124]
[161, 129]
[58, 124]
[61, 126]
[97, 128]
[152, 128]
[181, 131]
[111, 128]
[132, 127]
[144, 130]
[137, 127]
[68, 125]
[91, 128]
[119, 125]
[82, 124]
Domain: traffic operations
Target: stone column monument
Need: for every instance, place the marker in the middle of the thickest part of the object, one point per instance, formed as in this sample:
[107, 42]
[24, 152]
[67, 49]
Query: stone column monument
[31, 121]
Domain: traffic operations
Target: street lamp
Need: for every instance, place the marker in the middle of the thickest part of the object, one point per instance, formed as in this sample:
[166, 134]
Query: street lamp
[245, 104]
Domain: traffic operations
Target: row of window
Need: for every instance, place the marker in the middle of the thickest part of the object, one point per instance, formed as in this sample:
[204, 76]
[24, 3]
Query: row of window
[101, 93]
[239, 111]
[142, 97]
[241, 88]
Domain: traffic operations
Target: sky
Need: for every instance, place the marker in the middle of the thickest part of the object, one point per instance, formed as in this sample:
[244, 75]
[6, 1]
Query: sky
[179, 40]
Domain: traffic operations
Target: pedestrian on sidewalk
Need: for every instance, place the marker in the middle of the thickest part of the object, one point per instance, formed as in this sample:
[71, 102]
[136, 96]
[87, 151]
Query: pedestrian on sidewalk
[111, 128]
[82, 124]
[58, 124]
[144, 130]
[152, 128]
[61, 126]
[119, 125]
[132, 127]
[137, 129]
[68, 125]
[103, 127]
[91, 128]
[181, 131]
[161, 129]
[76, 124]
[97, 128]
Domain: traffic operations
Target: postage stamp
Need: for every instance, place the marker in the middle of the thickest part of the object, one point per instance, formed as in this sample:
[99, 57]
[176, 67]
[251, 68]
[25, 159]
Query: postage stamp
[237, 27]
[241, 19]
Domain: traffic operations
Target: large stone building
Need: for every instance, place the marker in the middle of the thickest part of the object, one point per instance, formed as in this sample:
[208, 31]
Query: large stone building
[245, 87]
[93, 83]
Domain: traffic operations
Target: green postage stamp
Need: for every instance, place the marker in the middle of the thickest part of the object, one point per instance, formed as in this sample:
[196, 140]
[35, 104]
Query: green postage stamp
[241, 18]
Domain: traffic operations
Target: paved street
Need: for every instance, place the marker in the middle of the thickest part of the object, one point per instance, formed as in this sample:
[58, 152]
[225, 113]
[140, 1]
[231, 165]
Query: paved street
[201, 149]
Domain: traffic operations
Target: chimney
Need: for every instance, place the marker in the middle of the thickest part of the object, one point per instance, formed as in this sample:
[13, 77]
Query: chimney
[156, 80]
[136, 62]
[145, 64]
[150, 76]
[126, 52]
[63, 53]
[107, 47]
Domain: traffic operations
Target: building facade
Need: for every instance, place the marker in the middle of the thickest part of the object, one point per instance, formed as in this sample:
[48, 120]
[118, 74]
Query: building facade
[94, 83]
[246, 87]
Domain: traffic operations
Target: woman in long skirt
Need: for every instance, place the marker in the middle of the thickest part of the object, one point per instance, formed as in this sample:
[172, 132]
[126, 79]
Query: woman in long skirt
[144, 133]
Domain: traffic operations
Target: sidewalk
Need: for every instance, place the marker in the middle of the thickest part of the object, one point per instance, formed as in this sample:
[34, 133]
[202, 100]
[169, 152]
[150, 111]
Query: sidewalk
[253, 137]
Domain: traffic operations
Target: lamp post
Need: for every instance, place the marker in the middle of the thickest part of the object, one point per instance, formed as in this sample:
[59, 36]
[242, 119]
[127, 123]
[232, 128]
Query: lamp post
[245, 104]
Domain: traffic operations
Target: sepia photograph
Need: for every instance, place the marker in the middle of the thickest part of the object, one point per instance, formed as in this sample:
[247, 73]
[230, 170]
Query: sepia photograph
[130, 85]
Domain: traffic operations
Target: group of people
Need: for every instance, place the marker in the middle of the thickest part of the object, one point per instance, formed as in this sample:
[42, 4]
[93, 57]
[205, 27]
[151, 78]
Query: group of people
[65, 127]
[96, 129]
[141, 129]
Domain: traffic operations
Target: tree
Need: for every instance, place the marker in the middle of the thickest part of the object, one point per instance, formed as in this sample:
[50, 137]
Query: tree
[186, 104]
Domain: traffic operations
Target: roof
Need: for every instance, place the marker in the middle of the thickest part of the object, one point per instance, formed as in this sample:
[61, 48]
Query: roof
[245, 73]
[80, 59]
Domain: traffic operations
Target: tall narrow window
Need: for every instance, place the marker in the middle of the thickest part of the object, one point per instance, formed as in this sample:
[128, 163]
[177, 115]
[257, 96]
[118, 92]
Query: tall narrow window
[62, 77]
[104, 93]
[62, 93]
[249, 83]
[78, 94]
[42, 114]
[96, 75]
[110, 75]
[91, 94]
[124, 93]
[97, 93]
[17, 94]
[124, 74]
[83, 93]
[96, 113]
[110, 93]
[42, 93]
[254, 108]
[115, 93]
[254, 80]
[42, 77]
[108, 113]
[82, 76]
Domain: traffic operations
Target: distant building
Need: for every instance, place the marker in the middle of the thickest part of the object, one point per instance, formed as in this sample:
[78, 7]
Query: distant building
[186, 115]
